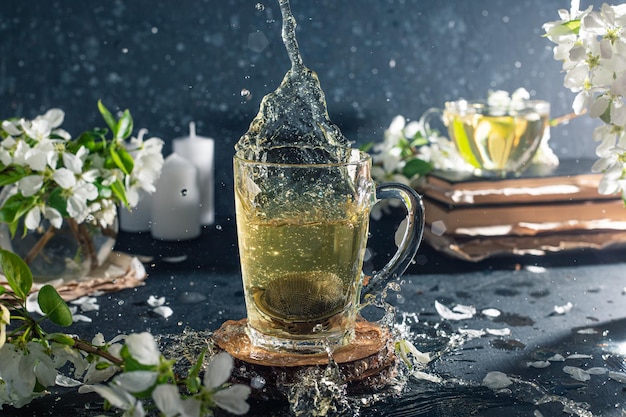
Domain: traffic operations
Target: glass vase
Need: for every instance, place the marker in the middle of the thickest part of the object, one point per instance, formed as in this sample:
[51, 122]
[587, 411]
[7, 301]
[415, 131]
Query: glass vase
[70, 252]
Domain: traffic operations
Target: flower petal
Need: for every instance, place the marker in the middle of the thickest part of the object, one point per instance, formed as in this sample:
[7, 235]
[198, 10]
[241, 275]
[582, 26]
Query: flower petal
[218, 370]
[64, 177]
[53, 216]
[30, 185]
[143, 348]
[113, 394]
[167, 399]
[136, 381]
[54, 117]
[233, 399]
[33, 218]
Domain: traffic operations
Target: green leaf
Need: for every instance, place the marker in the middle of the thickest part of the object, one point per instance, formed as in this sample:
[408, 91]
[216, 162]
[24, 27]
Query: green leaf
[193, 380]
[122, 159]
[17, 273]
[416, 167]
[2, 290]
[120, 192]
[419, 140]
[57, 201]
[53, 306]
[61, 338]
[108, 117]
[124, 126]
[87, 139]
[12, 175]
[606, 116]
[573, 26]
[366, 147]
[567, 28]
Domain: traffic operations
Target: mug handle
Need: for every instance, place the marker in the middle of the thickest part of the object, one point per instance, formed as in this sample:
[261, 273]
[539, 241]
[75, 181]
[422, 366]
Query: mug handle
[410, 241]
[424, 122]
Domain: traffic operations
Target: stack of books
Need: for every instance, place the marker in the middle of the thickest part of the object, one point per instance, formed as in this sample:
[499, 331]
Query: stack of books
[547, 209]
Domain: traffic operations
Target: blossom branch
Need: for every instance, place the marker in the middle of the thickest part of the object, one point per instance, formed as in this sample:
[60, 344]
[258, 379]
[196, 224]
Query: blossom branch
[89, 348]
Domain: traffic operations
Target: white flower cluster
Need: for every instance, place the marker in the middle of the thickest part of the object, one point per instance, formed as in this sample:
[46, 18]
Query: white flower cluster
[22, 368]
[404, 142]
[59, 176]
[592, 46]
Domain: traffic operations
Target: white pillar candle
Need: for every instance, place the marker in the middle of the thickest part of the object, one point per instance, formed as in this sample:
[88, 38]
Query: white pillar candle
[139, 218]
[176, 202]
[199, 150]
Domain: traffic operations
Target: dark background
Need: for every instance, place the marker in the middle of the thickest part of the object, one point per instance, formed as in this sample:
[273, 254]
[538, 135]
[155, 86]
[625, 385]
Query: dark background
[171, 62]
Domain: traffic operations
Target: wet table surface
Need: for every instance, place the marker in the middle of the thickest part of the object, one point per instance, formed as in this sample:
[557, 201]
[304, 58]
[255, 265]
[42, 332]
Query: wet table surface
[204, 290]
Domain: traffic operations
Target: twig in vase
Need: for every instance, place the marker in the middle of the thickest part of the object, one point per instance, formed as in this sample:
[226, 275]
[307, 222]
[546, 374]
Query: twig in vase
[41, 243]
[84, 239]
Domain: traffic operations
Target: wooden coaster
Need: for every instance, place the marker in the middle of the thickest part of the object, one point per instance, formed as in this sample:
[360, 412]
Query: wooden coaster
[369, 362]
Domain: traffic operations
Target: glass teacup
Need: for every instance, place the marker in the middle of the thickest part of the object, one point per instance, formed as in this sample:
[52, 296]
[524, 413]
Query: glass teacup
[498, 141]
[302, 231]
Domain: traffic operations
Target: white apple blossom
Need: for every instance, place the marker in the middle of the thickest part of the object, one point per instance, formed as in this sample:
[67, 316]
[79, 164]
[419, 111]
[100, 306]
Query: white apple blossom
[592, 47]
[64, 178]
[74, 162]
[32, 219]
[42, 155]
[233, 397]
[119, 398]
[11, 128]
[136, 381]
[30, 185]
[79, 197]
[95, 175]
[22, 368]
[143, 348]
[148, 158]
[168, 400]
[104, 212]
[102, 369]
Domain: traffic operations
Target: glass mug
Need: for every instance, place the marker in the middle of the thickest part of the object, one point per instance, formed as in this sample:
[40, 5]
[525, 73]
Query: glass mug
[497, 141]
[302, 232]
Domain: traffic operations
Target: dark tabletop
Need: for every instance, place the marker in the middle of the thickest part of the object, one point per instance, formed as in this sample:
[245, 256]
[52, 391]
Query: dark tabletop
[204, 290]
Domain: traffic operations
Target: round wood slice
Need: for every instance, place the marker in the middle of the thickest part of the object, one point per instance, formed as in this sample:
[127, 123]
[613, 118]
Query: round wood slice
[368, 363]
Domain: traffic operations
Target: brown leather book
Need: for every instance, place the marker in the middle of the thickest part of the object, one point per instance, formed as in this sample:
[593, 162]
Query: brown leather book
[571, 181]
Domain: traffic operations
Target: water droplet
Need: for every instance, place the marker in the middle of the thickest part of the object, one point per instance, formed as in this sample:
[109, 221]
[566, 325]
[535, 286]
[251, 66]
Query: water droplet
[184, 192]
[260, 7]
[258, 382]
[192, 297]
[218, 226]
[124, 50]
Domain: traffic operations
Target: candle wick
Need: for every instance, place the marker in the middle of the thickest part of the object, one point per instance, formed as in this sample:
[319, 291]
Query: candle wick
[192, 129]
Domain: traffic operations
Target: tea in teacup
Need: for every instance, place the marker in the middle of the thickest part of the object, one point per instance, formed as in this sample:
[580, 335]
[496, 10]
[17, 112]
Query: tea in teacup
[495, 140]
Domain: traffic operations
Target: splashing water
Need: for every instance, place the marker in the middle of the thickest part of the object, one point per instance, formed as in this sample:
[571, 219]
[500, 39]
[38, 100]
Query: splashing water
[320, 392]
[293, 125]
